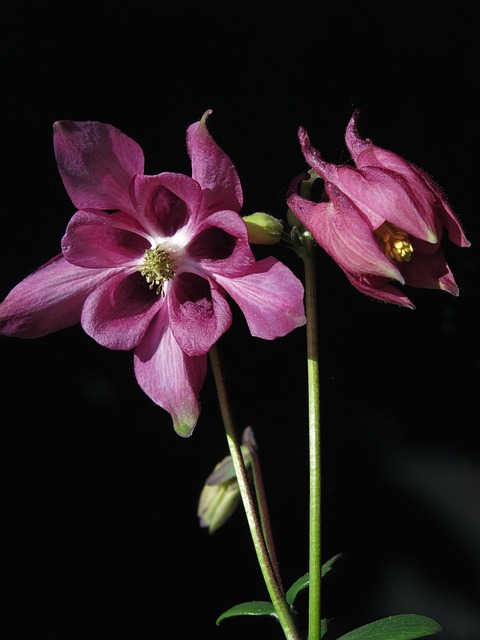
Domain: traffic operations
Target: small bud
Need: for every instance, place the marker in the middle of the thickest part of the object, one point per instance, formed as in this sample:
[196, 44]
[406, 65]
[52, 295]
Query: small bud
[263, 228]
[220, 495]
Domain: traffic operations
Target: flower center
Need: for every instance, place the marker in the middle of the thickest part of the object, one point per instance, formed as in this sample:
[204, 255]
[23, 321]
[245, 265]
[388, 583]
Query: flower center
[157, 268]
[394, 242]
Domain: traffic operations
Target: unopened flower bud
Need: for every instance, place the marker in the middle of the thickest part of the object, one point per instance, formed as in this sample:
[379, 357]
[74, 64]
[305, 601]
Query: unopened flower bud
[263, 228]
[220, 495]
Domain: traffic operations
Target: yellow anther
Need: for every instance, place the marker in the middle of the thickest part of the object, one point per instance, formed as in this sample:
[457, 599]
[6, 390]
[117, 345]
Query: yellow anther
[157, 268]
[394, 242]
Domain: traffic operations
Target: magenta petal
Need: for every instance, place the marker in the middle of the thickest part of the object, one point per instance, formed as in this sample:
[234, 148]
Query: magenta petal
[340, 229]
[378, 287]
[221, 244]
[170, 377]
[119, 311]
[96, 162]
[199, 313]
[95, 239]
[49, 299]
[423, 187]
[270, 296]
[213, 170]
[165, 202]
[430, 272]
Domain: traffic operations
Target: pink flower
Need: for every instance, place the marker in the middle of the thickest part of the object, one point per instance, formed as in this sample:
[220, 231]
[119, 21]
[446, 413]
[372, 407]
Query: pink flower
[383, 222]
[148, 261]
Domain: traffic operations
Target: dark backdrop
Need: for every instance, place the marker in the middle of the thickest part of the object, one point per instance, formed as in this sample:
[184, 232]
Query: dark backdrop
[99, 534]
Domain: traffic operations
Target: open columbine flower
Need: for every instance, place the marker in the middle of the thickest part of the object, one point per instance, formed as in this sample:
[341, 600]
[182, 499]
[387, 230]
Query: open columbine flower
[384, 219]
[147, 263]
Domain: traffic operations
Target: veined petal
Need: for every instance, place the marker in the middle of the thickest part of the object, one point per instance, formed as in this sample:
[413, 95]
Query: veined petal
[95, 239]
[96, 162]
[434, 203]
[117, 313]
[170, 377]
[221, 244]
[382, 195]
[165, 202]
[270, 296]
[49, 299]
[341, 230]
[430, 272]
[199, 313]
[213, 170]
[379, 288]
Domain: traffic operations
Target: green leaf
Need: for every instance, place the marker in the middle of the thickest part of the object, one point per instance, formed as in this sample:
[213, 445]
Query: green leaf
[302, 583]
[254, 608]
[407, 626]
[295, 589]
[327, 566]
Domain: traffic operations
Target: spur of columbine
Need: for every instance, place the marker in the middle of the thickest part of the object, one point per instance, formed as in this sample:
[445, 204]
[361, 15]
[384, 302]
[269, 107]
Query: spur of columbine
[148, 261]
[382, 220]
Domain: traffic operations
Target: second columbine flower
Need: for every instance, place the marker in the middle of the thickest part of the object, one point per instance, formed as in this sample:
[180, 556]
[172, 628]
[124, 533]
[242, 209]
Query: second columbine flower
[382, 220]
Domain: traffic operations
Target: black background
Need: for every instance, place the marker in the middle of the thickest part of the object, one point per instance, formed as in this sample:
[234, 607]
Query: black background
[99, 534]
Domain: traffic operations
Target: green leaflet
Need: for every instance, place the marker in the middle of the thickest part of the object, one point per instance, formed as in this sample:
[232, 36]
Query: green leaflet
[407, 626]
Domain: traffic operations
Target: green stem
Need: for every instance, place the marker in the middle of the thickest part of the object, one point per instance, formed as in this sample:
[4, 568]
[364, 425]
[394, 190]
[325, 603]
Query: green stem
[314, 611]
[263, 513]
[282, 609]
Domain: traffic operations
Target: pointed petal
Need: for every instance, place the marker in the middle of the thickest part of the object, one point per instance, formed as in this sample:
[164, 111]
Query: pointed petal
[49, 299]
[379, 288]
[213, 170]
[270, 296]
[170, 377]
[199, 313]
[118, 312]
[430, 272]
[342, 231]
[95, 239]
[96, 162]
[365, 153]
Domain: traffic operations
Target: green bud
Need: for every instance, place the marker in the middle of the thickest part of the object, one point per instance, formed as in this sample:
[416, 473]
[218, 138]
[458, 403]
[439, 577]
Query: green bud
[263, 228]
[220, 495]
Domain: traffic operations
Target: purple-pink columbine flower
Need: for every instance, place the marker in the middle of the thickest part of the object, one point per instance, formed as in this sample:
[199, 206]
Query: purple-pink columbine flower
[148, 262]
[383, 221]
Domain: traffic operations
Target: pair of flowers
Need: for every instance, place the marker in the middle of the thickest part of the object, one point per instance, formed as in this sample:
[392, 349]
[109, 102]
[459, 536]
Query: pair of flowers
[147, 262]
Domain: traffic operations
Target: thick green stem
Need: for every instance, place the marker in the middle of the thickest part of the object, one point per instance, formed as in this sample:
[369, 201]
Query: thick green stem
[282, 609]
[314, 611]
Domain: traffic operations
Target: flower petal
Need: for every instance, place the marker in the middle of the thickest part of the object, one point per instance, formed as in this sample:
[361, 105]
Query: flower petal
[379, 287]
[341, 230]
[270, 296]
[221, 244]
[430, 272]
[213, 170]
[118, 312]
[165, 202]
[365, 153]
[49, 299]
[95, 239]
[170, 377]
[380, 194]
[96, 162]
[199, 313]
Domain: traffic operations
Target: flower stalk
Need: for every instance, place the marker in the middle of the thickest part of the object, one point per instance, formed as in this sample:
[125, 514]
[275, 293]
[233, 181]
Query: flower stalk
[313, 383]
[282, 609]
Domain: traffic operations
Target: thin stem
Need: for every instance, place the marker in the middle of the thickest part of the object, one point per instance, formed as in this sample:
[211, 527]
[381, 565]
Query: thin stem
[314, 611]
[263, 512]
[282, 609]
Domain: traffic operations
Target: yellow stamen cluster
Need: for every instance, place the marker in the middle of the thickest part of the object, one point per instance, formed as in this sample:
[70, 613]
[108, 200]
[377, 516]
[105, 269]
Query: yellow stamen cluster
[394, 242]
[157, 268]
